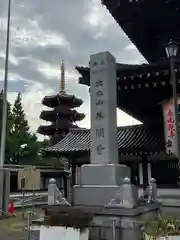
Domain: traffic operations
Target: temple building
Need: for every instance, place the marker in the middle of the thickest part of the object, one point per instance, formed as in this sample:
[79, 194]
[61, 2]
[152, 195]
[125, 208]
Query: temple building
[63, 115]
[143, 91]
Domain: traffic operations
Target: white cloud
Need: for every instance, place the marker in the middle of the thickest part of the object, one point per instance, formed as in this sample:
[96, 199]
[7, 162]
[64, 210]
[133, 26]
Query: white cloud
[98, 16]
[130, 47]
[42, 35]
[31, 35]
[99, 20]
[32, 99]
[12, 59]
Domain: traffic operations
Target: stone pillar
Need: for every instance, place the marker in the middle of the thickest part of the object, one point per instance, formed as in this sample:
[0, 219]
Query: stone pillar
[7, 174]
[103, 109]
[4, 200]
[101, 179]
[78, 174]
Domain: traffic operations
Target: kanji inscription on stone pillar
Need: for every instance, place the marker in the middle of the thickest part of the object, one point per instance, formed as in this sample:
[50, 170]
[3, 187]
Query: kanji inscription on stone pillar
[103, 108]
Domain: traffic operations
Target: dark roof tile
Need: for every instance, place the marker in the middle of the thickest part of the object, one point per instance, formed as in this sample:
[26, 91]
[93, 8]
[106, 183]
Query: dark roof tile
[132, 139]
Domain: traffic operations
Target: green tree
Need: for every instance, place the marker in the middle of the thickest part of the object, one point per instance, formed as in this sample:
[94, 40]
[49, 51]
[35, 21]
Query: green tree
[9, 144]
[24, 143]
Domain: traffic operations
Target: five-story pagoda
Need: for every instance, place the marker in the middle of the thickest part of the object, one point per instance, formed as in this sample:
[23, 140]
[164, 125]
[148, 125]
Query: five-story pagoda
[62, 114]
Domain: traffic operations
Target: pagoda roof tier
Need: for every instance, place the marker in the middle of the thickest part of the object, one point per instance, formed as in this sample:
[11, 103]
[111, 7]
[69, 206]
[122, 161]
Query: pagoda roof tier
[136, 140]
[52, 129]
[141, 89]
[64, 99]
[61, 111]
[149, 24]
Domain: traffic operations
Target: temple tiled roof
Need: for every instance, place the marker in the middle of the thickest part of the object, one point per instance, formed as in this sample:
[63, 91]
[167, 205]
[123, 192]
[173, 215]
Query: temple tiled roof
[131, 140]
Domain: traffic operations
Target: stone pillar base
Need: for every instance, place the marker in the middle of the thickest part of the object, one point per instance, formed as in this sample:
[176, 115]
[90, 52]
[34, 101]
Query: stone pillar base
[104, 174]
[99, 183]
[93, 195]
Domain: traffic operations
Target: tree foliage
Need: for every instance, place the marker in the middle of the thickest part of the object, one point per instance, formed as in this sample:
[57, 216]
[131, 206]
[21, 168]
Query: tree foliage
[22, 146]
[9, 143]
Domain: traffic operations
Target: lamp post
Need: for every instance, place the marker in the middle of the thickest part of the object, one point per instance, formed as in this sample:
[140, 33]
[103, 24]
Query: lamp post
[4, 191]
[4, 110]
[172, 51]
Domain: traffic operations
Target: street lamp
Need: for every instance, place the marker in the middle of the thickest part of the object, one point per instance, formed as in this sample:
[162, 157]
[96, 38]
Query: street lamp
[172, 51]
[22, 147]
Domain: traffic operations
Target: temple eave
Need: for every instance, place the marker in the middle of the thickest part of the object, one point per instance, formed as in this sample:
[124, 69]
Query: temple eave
[56, 100]
[51, 116]
[137, 18]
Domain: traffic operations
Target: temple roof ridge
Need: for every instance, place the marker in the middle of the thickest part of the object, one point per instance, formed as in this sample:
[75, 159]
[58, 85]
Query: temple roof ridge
[140, 125]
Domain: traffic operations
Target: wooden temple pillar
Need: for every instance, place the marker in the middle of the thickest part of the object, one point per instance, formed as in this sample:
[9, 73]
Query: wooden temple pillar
[146, 171]
[73, 173]
[65, 183]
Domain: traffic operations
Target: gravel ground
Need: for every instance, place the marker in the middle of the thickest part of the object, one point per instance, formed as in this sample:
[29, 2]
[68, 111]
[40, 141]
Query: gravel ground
[11, 229]
[14, 228]
[6, 235]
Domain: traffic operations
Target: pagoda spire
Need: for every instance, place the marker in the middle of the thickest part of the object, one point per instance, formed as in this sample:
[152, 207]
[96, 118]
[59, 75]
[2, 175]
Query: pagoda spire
[62, 85]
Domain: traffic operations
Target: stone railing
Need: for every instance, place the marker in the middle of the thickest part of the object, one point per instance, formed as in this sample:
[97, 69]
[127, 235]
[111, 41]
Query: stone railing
[54, 195]
[127, 195]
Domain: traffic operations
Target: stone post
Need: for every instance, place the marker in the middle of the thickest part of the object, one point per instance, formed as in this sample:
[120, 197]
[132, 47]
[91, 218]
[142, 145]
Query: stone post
[52, 196]
[152, 193]
[126, 196]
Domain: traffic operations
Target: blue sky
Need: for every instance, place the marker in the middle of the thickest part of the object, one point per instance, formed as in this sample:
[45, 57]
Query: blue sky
[43, 33]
